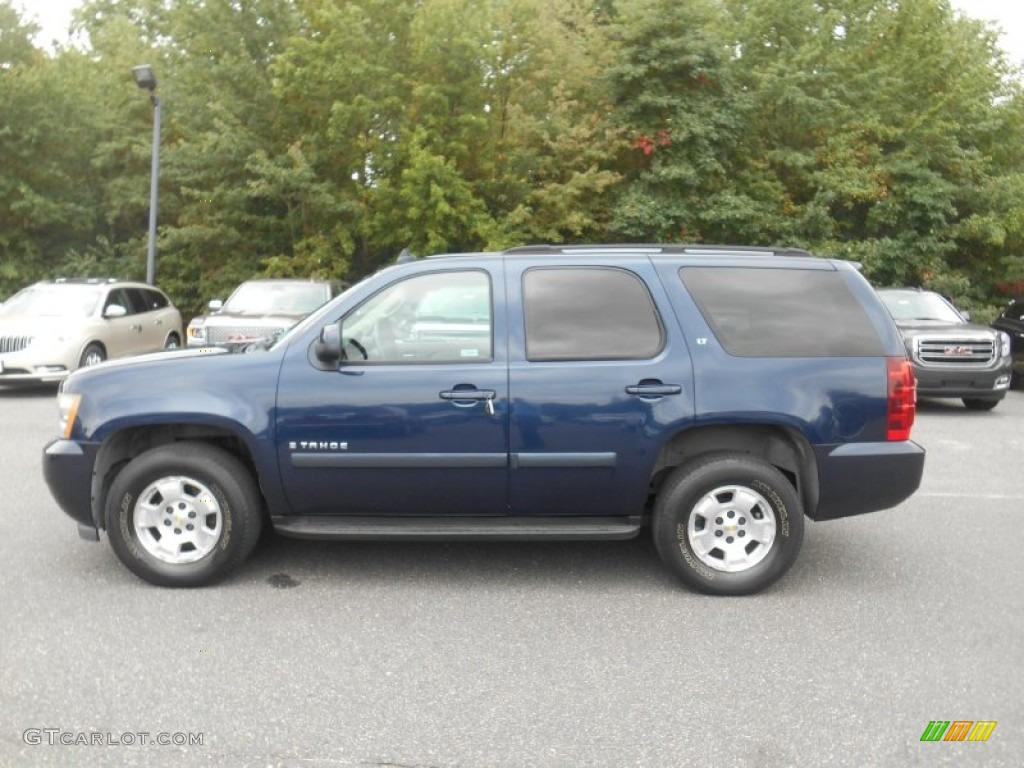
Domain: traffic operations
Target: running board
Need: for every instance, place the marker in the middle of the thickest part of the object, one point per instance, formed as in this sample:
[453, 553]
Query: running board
[449, 528]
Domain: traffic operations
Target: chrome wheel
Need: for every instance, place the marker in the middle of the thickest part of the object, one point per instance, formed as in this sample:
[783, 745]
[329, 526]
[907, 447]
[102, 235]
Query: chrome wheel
[731, 528]
[178, 520]
[93, 355]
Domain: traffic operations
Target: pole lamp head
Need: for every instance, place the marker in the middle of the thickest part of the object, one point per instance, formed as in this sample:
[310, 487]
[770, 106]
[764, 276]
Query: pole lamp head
[145, 77]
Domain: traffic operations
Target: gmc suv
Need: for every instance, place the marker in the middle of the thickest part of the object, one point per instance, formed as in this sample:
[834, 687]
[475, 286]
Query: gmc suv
[257, 310]
[952, 357]
[717, 395]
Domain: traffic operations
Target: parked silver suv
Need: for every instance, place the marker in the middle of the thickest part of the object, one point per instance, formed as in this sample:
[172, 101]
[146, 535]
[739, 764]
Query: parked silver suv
[257, 310]
[51, 328]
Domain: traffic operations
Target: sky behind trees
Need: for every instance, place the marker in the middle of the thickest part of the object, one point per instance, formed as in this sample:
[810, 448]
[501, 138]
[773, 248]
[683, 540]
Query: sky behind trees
[318, 138]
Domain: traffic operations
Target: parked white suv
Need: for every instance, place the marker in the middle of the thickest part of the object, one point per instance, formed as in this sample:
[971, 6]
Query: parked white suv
[51, 328]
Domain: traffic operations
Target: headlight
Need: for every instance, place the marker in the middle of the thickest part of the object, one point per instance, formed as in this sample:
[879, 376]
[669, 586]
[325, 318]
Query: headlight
[1004, 344]
[196, 331]
[54, 340]
[67, 408]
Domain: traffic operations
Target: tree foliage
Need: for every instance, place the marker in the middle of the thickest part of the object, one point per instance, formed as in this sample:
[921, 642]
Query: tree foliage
[321, 137]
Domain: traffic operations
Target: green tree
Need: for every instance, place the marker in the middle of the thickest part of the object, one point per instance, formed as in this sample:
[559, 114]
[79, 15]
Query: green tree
[670, 89]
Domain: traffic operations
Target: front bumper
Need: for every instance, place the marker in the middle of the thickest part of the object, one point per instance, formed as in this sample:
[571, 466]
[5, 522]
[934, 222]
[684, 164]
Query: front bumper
[37, 363]
[19, 373]
[947, 381]
[68, 470]
[855, 478]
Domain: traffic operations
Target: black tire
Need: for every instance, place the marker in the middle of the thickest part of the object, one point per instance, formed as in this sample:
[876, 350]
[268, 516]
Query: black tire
[202, 522]
[172, 342]
[733, 488]
[93, 354]
[980, 404]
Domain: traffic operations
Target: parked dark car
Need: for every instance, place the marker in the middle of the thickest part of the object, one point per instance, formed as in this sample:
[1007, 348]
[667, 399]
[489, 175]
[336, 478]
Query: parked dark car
[714, 396]
[952, 357]
[1011, 322]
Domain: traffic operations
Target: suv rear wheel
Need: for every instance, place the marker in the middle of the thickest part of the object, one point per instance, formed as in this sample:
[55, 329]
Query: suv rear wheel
[728, 524]
[183, 515]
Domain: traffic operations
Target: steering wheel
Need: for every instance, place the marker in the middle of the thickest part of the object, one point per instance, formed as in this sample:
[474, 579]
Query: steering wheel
[359, 347]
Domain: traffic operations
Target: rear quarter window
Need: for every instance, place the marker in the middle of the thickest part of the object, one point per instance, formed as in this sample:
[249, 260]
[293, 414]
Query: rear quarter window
[757, 312]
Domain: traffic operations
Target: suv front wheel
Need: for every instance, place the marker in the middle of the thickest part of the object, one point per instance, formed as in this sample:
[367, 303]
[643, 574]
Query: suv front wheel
[728, 524]
[184, 514]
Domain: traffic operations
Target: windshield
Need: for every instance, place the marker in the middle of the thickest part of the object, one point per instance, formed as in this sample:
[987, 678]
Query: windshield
[920, 305]
[54, 301]
[268, 298]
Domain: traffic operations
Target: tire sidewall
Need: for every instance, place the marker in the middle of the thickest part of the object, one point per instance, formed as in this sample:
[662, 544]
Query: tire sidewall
[676, 504]
[206, 466]
[92, 346]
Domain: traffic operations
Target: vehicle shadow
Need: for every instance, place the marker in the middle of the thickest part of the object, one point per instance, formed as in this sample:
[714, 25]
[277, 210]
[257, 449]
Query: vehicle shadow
[634, 564]
[951, 407]
[285, 562]
[28, 391]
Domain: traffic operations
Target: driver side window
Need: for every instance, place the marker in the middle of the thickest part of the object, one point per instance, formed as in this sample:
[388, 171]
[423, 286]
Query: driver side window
[442, 317]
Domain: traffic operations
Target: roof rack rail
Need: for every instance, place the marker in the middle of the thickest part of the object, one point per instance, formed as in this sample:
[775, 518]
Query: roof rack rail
[88, 280]
[655, 248]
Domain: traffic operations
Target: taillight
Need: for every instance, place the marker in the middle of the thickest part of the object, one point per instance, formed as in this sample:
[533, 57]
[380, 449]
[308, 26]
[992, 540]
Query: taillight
[902, 398]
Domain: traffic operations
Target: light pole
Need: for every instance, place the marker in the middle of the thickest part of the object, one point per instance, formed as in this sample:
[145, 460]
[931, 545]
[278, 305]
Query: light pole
[145, 78]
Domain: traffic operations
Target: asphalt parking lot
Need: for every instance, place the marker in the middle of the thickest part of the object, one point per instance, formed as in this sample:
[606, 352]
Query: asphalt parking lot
[555, 654]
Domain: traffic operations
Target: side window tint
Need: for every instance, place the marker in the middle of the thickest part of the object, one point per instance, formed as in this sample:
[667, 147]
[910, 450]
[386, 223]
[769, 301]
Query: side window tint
[782, 312]
[118, 297]
[589, 313]
[154, 300]
[442, 317]
[138, 300]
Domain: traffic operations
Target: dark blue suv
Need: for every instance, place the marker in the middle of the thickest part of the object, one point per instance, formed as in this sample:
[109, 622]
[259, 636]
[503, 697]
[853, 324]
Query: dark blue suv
[717, 394]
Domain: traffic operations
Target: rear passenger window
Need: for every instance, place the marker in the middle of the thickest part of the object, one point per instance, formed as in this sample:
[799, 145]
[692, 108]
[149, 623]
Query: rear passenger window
[138, 301]
[782, 312]
[589, 313]
[154, 300]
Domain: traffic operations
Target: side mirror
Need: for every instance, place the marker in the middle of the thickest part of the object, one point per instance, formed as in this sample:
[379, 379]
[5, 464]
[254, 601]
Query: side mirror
[215, 305]
[328, 346]
[114, 310]
[965, 314]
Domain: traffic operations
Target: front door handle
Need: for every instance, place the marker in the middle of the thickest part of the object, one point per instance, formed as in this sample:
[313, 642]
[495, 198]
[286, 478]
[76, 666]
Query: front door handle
[645, 389]
[467, 394]
[467, 397]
